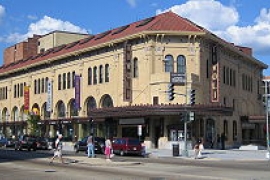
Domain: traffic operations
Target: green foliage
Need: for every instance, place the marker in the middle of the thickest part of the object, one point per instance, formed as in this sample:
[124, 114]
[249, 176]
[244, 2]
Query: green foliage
[32, 122]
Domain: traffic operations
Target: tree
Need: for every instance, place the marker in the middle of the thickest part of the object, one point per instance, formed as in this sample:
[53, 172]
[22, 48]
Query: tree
[32, 122]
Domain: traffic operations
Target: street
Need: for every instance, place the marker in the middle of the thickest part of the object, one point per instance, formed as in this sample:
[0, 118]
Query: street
[34, 165]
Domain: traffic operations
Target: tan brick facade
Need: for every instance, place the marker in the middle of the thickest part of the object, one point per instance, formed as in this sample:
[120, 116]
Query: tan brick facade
[135, 92]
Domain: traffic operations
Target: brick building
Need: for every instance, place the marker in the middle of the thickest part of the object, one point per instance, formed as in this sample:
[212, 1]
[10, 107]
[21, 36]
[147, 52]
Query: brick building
[115, 84]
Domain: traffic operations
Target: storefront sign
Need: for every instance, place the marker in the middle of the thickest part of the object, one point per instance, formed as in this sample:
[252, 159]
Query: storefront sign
[49, 97]
[77, 92]
[215, 83]
[178, 78]
[131, 121]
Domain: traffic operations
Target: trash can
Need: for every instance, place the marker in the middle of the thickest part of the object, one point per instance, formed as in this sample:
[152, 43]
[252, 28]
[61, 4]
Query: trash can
[175, 149]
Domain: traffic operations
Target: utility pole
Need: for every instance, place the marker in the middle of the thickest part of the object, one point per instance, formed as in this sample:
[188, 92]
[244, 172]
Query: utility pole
[266, 96]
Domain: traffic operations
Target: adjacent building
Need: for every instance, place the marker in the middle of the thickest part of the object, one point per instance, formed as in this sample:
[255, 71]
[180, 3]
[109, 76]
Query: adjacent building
[115, 84]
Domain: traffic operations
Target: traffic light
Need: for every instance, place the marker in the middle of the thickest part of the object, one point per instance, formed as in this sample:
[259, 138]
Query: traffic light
[171, 91]
[183, 116]
[192, 97]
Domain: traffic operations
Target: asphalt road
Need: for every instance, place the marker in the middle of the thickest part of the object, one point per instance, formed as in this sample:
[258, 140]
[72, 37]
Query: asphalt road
[25, 165]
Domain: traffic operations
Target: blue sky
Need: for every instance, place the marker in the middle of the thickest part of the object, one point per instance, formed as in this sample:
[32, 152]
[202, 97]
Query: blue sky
[243, 22]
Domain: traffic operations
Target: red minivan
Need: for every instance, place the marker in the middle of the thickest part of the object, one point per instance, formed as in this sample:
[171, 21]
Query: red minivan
[125, 145]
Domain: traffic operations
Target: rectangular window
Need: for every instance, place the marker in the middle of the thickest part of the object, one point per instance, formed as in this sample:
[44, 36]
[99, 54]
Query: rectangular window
[64, 81]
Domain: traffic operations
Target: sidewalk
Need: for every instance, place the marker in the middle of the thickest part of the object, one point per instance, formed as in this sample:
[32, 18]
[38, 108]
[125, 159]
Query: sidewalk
[231, 154]
[207, 154]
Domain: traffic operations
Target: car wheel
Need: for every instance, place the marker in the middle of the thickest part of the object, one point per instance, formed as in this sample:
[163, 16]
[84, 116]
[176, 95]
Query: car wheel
[76, 149]
[122, 153]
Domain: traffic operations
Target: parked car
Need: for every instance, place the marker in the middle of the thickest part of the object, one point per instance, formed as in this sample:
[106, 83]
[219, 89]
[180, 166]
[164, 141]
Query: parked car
[82, 145]
[26, 142]
[45, 143]
[3, 142]
[11, 142]
[125, 146]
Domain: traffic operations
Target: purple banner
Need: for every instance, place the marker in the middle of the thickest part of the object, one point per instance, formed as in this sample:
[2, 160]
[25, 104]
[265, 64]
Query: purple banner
[77, 92]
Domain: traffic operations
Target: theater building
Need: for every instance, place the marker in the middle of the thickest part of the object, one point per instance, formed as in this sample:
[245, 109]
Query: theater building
[115, 84]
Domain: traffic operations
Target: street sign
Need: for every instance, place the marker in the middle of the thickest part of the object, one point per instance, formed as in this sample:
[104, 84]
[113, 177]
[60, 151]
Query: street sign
[191, 116]
[178, 78]
[139, 130]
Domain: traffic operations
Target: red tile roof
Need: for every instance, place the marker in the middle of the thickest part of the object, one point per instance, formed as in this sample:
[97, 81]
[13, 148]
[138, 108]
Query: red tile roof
[168, 21]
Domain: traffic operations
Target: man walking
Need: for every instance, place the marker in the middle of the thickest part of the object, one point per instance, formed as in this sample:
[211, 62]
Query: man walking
[90, 146]
[58, 149]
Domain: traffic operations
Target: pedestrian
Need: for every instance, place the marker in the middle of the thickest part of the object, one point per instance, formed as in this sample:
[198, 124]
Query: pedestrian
[198, 149]
[108, 149]
[58, 149]
[90, 146]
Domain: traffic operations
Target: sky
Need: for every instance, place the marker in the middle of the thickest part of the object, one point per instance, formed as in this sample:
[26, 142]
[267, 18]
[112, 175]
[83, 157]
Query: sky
[242, 22]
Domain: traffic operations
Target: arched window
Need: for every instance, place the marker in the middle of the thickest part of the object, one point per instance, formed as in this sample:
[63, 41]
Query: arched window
[95, 75]
[168, 63]
[89, 76]
[73, 110]
[91, 104]
[61, 109]
[107, 101]
[135, 68]
[100, 74]
[59, 82]
[107, 73]
[181, 64]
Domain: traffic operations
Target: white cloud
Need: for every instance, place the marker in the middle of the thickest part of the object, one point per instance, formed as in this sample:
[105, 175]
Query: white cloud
[2, 12]
[210, 14]
[223, 21]
[256, 36]
[132, 3]
[44, 26]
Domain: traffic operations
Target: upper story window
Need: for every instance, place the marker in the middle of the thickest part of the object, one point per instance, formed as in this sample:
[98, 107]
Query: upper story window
[100, 74]
[64, 81]
[89, 76]
[35, 86]
[73, 79]
[168, 63]
[42, 85]
[135, 68]
[59, 82]
[46, 84]
[21, 89]
[95, 75]
[107, 73]
[15, 89]
[68, 80]
[181, 64]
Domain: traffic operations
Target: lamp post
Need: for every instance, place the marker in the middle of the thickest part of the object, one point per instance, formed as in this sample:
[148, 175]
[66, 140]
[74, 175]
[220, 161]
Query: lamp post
[266, 96]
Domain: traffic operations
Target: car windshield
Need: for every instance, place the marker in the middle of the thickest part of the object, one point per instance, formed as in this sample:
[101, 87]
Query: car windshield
[134, 142]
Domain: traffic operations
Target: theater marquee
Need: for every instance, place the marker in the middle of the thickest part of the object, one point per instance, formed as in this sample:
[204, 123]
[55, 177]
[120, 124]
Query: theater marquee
[215, 78]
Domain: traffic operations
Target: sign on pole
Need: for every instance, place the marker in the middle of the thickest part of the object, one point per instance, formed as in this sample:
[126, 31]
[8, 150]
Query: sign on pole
[178, 78]
[139, 130]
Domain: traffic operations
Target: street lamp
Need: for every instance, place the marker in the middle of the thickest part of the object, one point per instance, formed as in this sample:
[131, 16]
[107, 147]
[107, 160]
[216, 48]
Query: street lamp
[266, 96]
